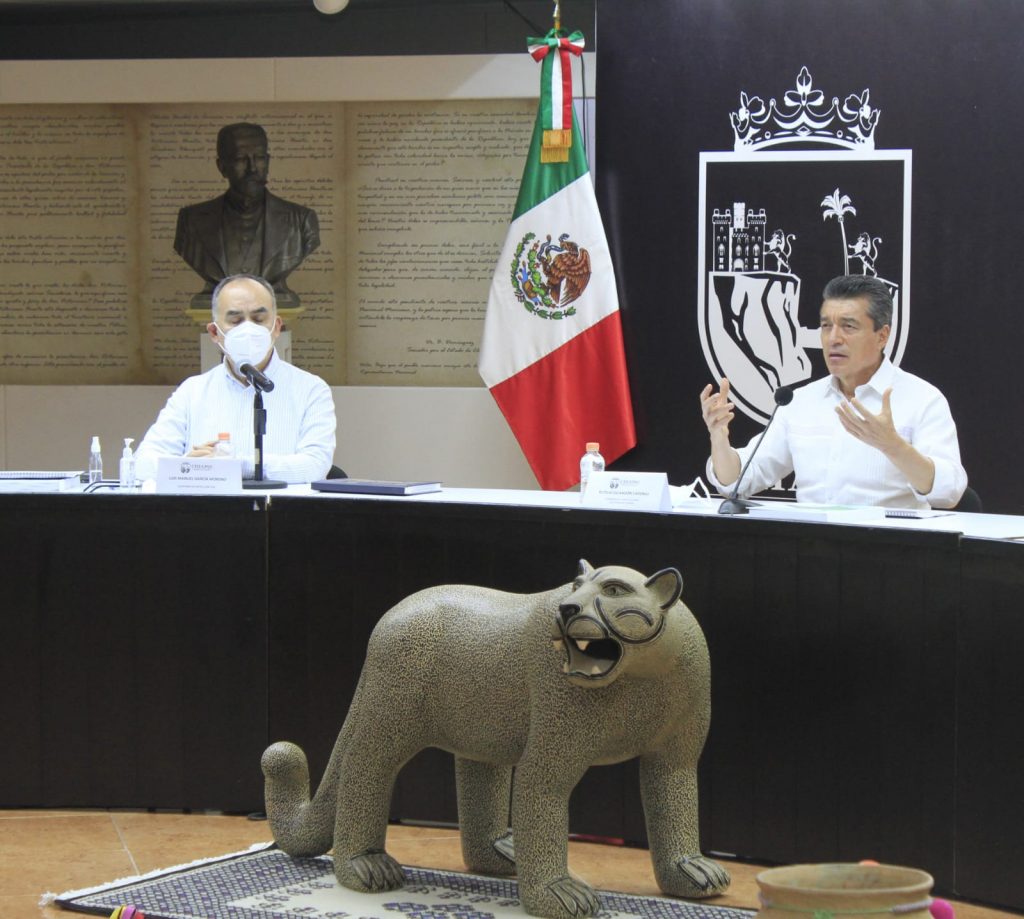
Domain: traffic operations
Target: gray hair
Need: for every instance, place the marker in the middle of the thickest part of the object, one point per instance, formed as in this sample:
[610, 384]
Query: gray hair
[263, 282]
[862, 287]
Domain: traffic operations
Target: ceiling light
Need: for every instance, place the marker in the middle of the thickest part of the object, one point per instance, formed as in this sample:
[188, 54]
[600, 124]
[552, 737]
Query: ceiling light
[330, 7]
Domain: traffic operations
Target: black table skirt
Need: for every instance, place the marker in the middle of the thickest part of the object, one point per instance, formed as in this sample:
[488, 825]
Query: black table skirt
[866, 690]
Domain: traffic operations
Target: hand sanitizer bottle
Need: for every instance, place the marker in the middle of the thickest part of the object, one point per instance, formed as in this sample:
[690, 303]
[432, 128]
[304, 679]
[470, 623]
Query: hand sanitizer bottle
[95, 461]
[127, 468]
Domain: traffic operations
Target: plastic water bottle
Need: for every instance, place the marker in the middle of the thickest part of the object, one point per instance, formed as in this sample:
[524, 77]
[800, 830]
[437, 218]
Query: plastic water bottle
[95, 461]
[223, 448]
[591, 461]
[126, 471]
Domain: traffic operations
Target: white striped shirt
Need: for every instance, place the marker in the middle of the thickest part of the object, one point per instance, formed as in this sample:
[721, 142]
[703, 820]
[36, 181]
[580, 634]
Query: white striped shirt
[298, 445]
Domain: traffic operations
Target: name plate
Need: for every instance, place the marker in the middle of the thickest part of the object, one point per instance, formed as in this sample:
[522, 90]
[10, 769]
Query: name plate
[628, 491]
[198, 475]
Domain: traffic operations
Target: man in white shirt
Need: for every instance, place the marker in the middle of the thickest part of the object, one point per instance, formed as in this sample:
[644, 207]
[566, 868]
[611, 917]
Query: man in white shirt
[869, 433]
[298, 445]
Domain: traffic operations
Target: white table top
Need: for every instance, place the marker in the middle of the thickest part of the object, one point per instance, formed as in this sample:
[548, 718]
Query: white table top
[981, 526]
[976, 526]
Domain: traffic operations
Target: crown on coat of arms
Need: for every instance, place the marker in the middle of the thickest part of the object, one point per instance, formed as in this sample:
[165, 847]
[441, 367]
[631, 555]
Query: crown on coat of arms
[805, 117]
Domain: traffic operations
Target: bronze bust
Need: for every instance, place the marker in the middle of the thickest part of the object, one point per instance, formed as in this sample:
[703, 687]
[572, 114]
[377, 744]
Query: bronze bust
[247, 230]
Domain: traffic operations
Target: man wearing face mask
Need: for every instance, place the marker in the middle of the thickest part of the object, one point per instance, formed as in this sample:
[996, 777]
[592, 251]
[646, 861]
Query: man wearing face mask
[299, 442]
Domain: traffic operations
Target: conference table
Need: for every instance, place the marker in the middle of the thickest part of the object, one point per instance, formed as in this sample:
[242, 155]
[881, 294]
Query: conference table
[866, 682]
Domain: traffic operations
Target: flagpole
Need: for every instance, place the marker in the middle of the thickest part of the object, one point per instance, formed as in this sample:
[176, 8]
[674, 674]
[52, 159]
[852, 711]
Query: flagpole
[552, 353]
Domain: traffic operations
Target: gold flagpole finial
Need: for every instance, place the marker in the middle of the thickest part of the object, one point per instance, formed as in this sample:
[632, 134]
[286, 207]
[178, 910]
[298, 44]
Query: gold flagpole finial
[558, 15]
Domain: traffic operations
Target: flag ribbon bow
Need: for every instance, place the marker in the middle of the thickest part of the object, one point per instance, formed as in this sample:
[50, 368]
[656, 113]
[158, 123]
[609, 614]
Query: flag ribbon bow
[556, 91]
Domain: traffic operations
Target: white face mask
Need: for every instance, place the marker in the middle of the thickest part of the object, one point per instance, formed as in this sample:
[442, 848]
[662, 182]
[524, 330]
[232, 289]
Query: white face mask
[246, 343]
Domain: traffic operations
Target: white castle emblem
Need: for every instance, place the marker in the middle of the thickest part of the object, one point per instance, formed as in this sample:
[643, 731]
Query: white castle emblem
[803, 196]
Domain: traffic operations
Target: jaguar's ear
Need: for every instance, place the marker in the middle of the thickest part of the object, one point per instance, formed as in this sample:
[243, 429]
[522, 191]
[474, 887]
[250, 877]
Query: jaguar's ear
[666, 585]
[584, 569]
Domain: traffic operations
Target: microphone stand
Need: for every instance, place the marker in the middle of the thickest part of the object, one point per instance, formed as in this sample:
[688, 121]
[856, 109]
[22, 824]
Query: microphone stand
[259, 423]
[734, 505]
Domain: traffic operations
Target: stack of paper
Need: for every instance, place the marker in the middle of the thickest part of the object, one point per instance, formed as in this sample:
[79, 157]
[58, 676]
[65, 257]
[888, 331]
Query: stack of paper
[820, 513]
[28, 480]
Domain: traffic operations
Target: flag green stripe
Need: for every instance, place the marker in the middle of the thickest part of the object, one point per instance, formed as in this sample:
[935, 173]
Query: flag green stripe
[542, 180]
[544, 109]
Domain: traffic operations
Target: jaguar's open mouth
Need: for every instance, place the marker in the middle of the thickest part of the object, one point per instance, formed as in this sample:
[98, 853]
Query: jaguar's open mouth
[591, 658]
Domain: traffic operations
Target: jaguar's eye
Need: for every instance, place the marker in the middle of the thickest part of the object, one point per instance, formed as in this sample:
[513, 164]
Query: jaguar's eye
[639, 613]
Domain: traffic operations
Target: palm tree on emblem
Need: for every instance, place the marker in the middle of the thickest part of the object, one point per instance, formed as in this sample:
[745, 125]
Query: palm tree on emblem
[837, 205]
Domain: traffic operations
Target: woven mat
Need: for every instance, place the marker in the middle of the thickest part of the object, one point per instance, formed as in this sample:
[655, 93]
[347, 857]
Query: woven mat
[265, 883]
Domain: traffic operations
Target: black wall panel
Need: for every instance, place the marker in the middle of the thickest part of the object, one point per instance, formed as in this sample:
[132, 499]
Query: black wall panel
[276, 28]
[942, 72]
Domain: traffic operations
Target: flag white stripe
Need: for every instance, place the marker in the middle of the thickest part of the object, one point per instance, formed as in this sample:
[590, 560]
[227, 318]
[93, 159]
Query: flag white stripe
[514, 338]
[557, 122]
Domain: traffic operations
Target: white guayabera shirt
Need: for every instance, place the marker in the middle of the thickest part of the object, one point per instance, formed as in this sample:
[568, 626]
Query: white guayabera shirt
[299, 442]
[833, 467]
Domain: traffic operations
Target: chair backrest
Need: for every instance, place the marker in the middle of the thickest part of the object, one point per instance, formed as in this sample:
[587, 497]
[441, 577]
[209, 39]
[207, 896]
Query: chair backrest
[336, 472]
[970, 502]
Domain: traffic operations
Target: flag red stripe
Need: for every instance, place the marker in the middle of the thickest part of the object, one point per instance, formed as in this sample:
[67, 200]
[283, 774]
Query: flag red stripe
[566, 86]
[577, 393]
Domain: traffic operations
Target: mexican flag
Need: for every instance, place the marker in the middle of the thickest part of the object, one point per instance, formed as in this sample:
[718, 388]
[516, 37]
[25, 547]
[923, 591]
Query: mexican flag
[552, 353]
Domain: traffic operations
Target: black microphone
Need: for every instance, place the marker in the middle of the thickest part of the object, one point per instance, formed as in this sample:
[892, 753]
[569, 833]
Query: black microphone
[264, 384]
[733, 504]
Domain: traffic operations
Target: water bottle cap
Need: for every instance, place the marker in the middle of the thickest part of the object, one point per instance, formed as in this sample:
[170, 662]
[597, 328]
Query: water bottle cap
[593, 447]
[95, 445]
[128, 446]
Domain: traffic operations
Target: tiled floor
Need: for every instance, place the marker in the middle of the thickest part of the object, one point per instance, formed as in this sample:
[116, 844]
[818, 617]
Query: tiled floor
[65, 850]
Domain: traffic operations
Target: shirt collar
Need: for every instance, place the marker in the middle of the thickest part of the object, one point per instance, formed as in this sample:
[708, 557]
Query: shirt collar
[237, 204]
[880, 380]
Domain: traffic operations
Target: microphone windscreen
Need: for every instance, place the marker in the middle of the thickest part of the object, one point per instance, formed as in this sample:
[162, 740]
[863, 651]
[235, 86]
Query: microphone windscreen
[784, 395]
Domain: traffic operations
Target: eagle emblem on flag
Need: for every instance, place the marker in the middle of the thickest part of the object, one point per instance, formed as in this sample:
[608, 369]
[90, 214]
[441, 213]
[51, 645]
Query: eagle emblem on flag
[548, 276]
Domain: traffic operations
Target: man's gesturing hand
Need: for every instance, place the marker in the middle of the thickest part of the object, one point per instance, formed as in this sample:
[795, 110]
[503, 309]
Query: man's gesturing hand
[876, 431]
[716, 408]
